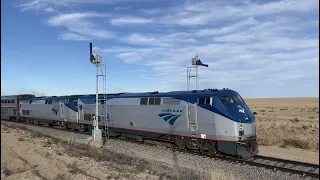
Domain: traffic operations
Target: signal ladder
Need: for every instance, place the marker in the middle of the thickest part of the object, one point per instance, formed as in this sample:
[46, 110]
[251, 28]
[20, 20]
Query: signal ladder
[192, 121]
[103, 101]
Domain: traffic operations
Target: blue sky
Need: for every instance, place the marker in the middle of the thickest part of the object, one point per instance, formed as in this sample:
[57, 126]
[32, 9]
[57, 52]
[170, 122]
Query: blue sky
[258, 48]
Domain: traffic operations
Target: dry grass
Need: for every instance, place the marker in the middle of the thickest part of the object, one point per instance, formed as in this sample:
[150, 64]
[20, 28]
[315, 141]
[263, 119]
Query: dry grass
[287, 122]
[73, 168]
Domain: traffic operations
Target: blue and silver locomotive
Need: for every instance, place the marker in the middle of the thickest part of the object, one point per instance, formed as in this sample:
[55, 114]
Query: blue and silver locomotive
[212, 121]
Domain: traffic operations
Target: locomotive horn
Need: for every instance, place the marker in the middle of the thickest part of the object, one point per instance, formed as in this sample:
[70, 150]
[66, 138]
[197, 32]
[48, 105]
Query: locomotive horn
[91, 55]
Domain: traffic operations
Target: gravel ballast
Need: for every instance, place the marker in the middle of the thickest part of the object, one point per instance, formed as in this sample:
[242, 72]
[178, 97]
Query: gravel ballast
[186, 166]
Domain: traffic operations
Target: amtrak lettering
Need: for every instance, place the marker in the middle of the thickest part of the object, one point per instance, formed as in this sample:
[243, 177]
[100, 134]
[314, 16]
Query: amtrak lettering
[169, 117]
[174, 110]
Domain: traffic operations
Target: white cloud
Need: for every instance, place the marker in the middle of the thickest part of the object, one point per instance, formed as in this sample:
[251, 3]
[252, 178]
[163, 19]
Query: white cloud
[130, 57]
[170, 40]
[73, 17]
[34, 5]
[249, 46]
[269, 59]
[45, 4]
[211, 11]
[121, 8]
[151, 11]
[50, 9]
[139, 39]
[72, 36]
[80, 23]
[129, 20]
[234, 27]
[138, 71]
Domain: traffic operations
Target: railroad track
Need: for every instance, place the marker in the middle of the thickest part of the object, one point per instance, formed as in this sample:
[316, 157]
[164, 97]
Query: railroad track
[276, 164]
[296, 167]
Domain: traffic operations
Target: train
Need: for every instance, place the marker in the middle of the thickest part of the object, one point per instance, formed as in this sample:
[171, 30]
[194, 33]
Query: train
[212, 121]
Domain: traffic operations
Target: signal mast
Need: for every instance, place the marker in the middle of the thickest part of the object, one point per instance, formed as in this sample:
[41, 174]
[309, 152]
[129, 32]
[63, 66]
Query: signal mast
[96, 132]
[196, 62]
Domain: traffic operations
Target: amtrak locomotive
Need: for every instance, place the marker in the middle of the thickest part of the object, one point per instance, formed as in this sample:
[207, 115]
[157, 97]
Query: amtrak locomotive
[211, 121]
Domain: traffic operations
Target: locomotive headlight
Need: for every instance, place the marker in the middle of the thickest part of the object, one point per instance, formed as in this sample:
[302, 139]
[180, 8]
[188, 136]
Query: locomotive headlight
[246, 118]
[240, 126]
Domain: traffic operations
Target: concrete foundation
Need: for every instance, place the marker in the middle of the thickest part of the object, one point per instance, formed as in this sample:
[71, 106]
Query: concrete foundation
[97, 134]
[90, 143]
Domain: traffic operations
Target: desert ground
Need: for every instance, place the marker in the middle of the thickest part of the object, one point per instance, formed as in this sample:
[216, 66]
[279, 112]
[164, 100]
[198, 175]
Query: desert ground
[290, 123]
[28, 155]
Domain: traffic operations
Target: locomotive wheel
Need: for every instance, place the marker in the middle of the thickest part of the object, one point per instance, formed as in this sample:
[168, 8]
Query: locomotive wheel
[208, 148]
[66, 125]
[50, 124]
[179, 142]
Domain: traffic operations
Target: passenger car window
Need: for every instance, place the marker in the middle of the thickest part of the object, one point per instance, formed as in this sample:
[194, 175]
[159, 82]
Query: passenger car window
[227, 100]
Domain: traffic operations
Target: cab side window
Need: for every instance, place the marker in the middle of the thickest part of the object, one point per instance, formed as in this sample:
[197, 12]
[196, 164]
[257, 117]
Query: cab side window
[204, 101]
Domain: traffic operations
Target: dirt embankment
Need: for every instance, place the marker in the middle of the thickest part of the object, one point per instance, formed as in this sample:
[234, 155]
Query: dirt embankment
[28, 155]
[31, 155]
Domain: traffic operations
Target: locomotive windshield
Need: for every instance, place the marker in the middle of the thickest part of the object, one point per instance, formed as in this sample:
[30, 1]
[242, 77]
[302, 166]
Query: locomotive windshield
[237, 98]
[227, 100]
[231, 99]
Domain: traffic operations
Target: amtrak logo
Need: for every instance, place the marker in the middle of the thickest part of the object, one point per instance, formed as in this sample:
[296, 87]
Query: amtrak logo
[241, 110]
[170, 117]
[55, 109]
